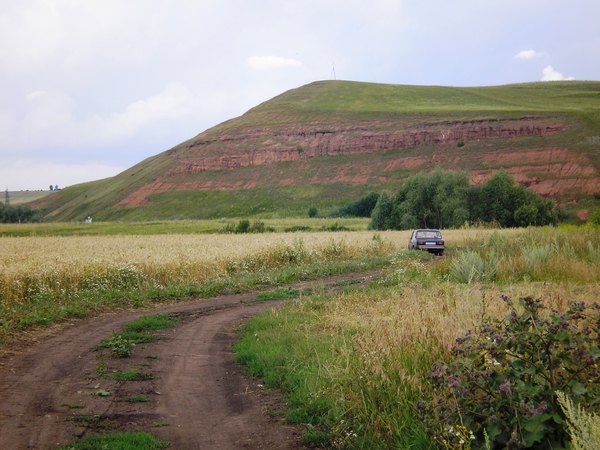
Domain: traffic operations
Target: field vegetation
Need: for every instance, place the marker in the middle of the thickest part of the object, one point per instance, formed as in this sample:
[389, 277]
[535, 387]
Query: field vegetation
[44, 279]
[359, 368]
[173, 227]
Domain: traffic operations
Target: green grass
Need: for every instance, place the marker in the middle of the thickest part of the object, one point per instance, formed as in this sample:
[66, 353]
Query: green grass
[146, 228]
[293, 350]
[129, 375]
[117, 441]
[279, 294]
[148, 323]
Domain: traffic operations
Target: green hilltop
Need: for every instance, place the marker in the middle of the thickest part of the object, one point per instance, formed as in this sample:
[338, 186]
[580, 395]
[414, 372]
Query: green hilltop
[327, 143]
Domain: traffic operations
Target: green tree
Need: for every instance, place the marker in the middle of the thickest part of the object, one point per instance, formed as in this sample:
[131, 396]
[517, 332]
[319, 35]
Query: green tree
[381, 215]
[363, 207]
[437, 199]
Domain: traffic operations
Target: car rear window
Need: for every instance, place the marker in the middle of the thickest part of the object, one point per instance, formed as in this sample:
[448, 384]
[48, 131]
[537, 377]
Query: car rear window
[429, 234]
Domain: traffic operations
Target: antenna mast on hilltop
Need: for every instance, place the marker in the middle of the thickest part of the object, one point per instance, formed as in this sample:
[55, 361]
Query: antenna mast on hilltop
[6, 197]
[333, 71]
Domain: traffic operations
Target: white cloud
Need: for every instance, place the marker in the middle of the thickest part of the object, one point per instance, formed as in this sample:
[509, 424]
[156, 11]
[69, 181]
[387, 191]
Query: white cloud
[272, 62]
[528, 54]
[48, 120]
[549, 74]
[172, 103]
[35, 174]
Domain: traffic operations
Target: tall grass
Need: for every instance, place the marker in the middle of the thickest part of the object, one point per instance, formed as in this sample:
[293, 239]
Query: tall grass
[533, 255]
[356, 365]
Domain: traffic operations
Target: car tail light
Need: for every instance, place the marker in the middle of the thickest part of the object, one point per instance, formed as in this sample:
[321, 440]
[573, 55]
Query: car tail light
[420, 242]
[440, 242]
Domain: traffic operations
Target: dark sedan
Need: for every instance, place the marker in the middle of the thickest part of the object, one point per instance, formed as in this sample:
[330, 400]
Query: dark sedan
[427, 239]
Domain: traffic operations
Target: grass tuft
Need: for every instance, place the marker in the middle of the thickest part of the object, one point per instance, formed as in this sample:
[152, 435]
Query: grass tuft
[118, 441]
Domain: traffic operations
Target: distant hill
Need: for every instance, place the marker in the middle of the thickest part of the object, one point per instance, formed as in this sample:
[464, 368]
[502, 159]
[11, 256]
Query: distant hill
[22, 197]
[329, 142]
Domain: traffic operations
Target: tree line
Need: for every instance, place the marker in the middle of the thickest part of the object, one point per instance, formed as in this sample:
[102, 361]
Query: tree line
[445, 199]
[18, 214]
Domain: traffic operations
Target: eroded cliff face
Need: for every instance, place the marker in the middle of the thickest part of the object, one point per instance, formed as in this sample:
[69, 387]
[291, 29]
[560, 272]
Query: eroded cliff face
[266, 146]
[209, 162]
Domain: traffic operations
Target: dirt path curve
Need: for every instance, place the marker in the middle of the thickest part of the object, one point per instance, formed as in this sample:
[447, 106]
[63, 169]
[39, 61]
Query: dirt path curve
[196, 397]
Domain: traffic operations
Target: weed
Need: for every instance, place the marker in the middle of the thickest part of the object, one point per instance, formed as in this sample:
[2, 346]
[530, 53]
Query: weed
[160, 423]
[279, 294]
[72, 405]
[100, 393]
[101, 367]
[146, 323]
[118, 345]
[583, 426]
[135, 399]
[117, 441]
[89, 421]
[129, 375]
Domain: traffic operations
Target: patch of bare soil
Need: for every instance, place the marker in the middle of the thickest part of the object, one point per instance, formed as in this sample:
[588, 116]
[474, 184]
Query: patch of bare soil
[195, 395]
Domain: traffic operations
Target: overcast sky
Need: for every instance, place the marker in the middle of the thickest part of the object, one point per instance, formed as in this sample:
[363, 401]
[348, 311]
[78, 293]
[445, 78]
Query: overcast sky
[90, 87]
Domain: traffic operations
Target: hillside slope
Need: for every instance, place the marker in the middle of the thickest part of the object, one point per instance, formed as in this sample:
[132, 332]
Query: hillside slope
[326, 143]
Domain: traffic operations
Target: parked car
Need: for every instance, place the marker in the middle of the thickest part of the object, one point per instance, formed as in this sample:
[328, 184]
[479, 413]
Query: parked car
[427, 239]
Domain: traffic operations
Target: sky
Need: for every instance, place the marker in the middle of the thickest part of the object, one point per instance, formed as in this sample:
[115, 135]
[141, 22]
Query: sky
[89, 88]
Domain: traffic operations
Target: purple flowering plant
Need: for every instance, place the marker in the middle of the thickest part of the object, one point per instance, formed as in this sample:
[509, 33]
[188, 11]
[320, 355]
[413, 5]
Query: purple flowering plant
[503, 378]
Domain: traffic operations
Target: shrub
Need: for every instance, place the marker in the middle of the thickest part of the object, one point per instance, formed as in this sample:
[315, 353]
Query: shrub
[244, 226]
[503, 379]
[313, 212]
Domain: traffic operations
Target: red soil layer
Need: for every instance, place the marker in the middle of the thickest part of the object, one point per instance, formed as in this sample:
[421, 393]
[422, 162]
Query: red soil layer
[547, 171]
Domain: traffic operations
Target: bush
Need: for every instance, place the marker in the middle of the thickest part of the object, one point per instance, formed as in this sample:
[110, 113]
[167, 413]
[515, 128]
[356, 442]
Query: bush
[313, 212]
[18, 214]
[469, 266]
[244, 226]
[503, 379]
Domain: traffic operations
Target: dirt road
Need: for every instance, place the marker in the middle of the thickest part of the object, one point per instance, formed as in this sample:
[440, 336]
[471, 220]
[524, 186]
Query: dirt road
[196, 397]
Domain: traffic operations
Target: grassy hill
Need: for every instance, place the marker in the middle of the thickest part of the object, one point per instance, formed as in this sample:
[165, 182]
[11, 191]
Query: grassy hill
[326, 143]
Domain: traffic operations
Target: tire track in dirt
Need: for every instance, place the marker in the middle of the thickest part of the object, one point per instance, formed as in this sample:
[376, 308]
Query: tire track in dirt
[198, 396]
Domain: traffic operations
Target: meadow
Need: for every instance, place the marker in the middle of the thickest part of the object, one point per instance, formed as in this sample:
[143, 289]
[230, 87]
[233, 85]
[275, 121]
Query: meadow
[357, 367]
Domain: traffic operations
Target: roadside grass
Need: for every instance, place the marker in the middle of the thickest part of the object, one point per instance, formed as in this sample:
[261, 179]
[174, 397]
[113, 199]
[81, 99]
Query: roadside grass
[355, 365]
[118, 441]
